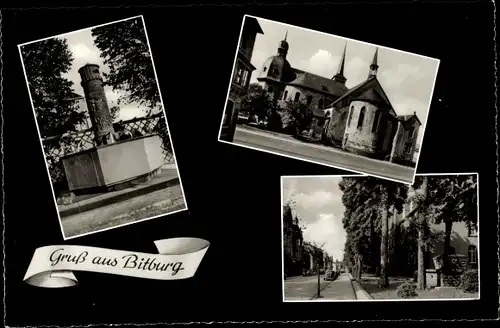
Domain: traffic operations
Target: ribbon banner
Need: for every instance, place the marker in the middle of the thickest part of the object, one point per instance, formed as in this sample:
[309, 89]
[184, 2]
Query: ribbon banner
[53, 266]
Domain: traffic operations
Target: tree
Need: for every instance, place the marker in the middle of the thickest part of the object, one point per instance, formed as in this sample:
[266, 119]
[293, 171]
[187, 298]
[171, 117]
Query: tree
[125, 50]
[258, 101]
[301, 113]
[375, 197]
[45, 63]
[115, 111]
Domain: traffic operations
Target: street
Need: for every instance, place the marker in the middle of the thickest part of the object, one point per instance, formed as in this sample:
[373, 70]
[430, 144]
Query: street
[305, 288]
[288, 146]
[153, 204]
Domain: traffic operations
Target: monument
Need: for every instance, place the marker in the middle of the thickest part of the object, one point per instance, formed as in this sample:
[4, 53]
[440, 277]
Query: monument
[110, 163]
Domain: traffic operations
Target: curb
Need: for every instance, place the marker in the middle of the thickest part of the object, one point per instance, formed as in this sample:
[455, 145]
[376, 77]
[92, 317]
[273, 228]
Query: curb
[359, 291]
[90, 205]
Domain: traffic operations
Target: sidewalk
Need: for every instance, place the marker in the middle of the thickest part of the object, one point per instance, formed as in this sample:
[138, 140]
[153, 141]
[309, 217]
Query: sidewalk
[166, 178]
[361, 294]
[340, 289]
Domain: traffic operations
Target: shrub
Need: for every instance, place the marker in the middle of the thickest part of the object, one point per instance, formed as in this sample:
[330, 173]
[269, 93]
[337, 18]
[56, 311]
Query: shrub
[470, 282]
[407, 290]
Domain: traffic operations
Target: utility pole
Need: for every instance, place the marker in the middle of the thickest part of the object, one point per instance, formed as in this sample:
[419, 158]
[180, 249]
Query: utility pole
[317, 259]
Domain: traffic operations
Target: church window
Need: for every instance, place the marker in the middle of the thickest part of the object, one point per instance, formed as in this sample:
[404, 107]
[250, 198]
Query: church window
[309, 100]
[407, 148]
[297, 96]
[472, 254]
[361, 118]
[286, 95]
[350, 115]
[320, 103]
[376, 121]
[265, 69]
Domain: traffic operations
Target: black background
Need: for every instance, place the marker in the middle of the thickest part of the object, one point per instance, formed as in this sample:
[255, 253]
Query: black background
[233, 193]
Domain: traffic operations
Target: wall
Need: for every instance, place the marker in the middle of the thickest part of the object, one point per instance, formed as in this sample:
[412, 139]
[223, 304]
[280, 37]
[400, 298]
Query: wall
[403, 138]
[362, 141]
[336, 127]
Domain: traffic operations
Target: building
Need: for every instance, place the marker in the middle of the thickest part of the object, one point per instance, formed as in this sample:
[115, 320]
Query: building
[292, 243]
[463, 249]
[241, 76]
[361, 119]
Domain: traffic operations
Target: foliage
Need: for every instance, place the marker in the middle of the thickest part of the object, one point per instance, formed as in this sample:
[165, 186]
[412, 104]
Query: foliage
[301, 115]
[45, 63]
[115, 111]
[125, 50]
[470, 282]
[407, 290]
[258, 102]
[364, 199]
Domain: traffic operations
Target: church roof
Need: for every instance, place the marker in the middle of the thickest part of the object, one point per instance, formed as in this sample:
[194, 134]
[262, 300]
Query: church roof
[278, 69]
[319, 83]
[406, 118]
[360, 91]
[370, 95]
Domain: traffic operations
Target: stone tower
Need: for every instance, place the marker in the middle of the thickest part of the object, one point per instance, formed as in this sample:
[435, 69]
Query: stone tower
[97, 104]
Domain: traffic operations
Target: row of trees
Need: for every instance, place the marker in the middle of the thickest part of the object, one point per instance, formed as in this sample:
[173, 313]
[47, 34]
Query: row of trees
[125, 51]
[292, 118]
[370, 202]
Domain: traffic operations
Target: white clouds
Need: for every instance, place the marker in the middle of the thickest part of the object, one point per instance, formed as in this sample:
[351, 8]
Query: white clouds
[328, 228]
[316, 199]
[356, 70]
[321, 63]
[84, 53]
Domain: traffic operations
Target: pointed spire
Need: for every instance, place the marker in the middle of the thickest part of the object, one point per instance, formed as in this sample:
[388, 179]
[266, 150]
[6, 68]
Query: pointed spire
[286, 34]
[375, 58]
[374, 65]
[340, 70]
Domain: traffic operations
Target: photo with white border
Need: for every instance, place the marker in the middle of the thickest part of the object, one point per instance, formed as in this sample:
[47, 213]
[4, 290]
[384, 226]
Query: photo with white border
[350, 238]
[102, 127]
[328, 100]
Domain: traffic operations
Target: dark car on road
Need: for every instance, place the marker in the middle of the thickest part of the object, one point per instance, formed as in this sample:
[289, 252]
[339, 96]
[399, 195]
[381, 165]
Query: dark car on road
[330, 275]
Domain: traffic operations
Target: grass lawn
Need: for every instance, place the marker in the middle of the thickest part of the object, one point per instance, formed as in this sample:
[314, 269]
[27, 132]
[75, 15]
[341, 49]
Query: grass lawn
[370, 285]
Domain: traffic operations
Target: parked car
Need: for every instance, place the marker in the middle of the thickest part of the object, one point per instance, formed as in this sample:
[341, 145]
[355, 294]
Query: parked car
[330, 275]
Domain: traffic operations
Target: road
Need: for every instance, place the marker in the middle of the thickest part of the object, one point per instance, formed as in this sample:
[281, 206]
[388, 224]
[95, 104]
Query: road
[288, 146]
[153, 204]
[305, 288]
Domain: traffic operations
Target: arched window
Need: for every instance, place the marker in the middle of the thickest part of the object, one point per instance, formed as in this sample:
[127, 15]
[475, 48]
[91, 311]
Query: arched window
[265, 69]
[297, 96]
[309, 100]
[351, 111]
[361, 118]
[320, 103]
[376, 121]
[286, 95]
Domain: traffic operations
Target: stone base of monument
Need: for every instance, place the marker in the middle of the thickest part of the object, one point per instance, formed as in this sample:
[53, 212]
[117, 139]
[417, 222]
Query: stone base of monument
[115, 166]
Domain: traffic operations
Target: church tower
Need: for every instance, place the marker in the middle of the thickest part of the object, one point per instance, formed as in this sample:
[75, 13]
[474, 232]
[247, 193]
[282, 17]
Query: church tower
[374, 65]
[283, 47]
[339, 77]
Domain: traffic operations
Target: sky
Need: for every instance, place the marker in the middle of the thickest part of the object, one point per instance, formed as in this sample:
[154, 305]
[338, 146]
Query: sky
[319, 206]
[81, 44]
[407, 79]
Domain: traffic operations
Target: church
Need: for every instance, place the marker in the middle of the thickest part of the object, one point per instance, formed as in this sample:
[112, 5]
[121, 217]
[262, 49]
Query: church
[361, 119]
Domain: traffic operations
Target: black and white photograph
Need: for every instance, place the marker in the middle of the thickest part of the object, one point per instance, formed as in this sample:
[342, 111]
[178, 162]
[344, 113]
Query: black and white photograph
[328, 100]
[102, 127]
[362, 238]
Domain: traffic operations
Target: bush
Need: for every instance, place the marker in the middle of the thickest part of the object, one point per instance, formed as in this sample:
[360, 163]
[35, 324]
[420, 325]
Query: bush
[407, 290]
[470, 282]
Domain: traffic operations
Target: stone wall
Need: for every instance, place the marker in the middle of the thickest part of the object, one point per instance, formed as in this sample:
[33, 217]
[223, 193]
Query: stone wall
[361, 140]
[336, 127]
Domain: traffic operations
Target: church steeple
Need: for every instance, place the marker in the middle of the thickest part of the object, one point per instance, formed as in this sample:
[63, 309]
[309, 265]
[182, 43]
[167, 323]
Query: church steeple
[340, 72]
[283, 47]
[374, 65]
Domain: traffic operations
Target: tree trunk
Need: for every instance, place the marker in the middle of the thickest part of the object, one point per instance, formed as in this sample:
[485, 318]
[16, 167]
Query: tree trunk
[384, 274]
[358, 265]
[421, 260]
[447, 243]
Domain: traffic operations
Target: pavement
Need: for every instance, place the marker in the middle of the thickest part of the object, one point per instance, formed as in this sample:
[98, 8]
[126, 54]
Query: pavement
[321, 154]
[159, 196]
[343, 288]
